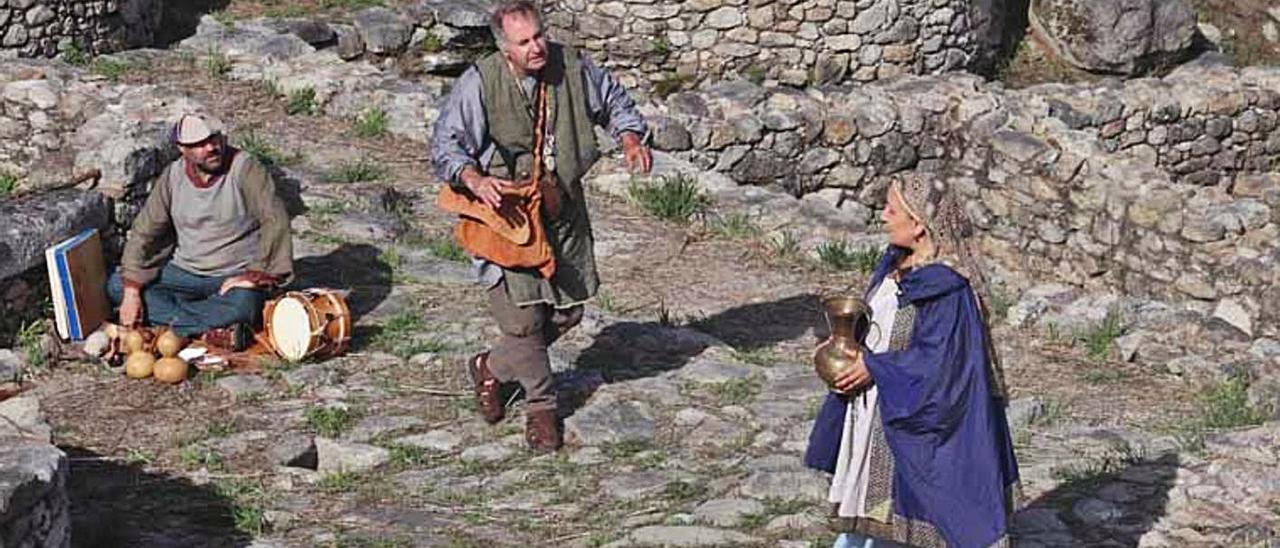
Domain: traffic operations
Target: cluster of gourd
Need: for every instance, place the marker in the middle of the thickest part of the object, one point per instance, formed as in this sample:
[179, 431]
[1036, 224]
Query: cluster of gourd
[142, 362]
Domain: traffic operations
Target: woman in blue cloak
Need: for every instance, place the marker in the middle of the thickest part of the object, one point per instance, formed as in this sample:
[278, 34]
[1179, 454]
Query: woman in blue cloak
[915, 436]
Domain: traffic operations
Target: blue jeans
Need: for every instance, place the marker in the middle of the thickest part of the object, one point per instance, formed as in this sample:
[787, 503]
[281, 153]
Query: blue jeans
[190, 304]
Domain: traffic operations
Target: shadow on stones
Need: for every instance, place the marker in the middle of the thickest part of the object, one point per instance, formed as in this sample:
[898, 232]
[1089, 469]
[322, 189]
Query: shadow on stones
[352, 267]
[1007, 35]
[180, 19]
[1116, 500]
[289, 190]
[631, 350]
[113, 504]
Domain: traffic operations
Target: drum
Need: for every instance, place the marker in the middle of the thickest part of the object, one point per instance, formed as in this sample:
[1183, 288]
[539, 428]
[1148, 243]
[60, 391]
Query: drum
[312, 322]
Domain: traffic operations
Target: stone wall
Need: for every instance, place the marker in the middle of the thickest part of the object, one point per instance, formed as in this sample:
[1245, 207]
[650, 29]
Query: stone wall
[43, 28]
[1202, 131]
[1056, 194]
[795, 42]
[34, 508]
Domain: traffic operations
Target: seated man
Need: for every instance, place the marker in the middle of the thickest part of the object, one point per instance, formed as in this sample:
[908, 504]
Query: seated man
[210, 241]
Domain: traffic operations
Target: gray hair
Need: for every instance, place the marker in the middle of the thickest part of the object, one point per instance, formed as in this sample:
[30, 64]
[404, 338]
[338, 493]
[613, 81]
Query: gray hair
[511, 7]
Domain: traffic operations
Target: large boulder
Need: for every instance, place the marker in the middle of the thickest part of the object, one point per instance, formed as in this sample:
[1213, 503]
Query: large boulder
[1116, 36]
[385, 32]
[250, 42]
[30, 224]
[459, 14]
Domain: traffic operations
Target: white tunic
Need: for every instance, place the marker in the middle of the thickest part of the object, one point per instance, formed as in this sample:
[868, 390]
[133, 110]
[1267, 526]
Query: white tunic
[853, 466]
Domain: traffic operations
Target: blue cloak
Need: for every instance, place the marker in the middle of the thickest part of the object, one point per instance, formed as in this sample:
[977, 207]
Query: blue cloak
[953, 456]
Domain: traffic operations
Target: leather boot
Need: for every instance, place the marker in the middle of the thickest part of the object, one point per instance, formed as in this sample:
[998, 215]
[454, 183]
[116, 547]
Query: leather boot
[542, 431]
[486, 387]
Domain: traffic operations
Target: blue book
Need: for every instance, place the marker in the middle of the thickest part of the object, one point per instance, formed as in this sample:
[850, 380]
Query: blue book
[77, 285]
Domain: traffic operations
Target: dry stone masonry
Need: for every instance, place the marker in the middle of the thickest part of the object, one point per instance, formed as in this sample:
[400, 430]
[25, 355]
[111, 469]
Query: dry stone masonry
[1066, 180]
[43, 28]
[1204, 130]
[794, 42]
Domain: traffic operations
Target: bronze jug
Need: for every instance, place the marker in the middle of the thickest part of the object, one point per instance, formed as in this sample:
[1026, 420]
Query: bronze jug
[848, 318]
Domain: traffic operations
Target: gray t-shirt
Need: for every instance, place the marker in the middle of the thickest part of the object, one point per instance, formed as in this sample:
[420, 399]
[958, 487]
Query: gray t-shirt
[217, 234]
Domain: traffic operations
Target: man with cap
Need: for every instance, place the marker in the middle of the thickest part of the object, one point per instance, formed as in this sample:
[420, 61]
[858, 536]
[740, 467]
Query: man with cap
[532, 108]
[211, 239]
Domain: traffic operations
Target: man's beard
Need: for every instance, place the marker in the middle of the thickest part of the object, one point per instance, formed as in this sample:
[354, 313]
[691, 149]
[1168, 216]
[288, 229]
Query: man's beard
[214, 165]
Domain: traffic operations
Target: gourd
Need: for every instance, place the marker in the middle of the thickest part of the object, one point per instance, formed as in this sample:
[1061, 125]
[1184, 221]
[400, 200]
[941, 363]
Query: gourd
[134, 341]
[168, 344]
[139, 365]
[171, 369]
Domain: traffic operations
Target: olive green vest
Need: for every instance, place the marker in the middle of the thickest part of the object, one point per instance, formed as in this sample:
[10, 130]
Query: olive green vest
[510, 120]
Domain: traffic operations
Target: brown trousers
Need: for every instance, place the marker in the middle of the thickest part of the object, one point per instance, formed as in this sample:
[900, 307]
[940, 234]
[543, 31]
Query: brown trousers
[520, 354]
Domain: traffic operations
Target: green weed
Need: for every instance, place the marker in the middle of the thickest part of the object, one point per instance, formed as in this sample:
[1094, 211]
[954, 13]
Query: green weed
[339, 482]
[371, 122]
[432, 43]
[400, 336]
[194, 457]
[736, 392]
[1099, 338]
[264, 150]
[735, 225]
[840, 255]
[31, 341]
[671, 197]
[8, 183]
[217, 65]
[329, 421]
[1226, 405]
[784, 246]
[359, 171]
[301, 101]
[447, 248]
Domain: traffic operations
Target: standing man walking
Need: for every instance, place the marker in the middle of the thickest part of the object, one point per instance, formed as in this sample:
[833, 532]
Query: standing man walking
[532, 104]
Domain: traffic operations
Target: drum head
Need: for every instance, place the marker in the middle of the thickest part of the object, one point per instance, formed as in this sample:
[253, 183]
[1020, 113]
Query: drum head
[291, 329]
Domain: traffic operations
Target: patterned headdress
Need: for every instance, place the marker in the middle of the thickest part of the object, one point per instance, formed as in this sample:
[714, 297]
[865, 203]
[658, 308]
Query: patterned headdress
[931, 202]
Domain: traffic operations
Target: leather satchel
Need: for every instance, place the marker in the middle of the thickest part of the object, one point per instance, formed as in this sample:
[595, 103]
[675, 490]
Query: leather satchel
[513, 236]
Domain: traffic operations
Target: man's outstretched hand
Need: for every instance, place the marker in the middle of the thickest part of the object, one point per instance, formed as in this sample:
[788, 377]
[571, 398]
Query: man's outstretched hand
[638, 157]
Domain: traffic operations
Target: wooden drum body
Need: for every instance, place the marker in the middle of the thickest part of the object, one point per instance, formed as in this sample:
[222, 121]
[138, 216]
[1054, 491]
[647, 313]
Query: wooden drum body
[312, 322]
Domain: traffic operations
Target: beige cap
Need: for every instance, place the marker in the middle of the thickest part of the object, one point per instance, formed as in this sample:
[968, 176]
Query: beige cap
[193, 128]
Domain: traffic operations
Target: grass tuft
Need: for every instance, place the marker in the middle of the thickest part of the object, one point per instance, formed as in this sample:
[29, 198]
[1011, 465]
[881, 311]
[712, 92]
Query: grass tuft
[671, 197]
[1098, 339]
[371, 123]
[735, 226]
[217, 65]
[31, 341]
[400, 336]
[329, 421]
[1226, 405]
[8, 183]
[264, 150]
[301, 101]
[339, 482]
[359, 171]
[736, 392]
[840, 255]
[784, 245]
[447, 248]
